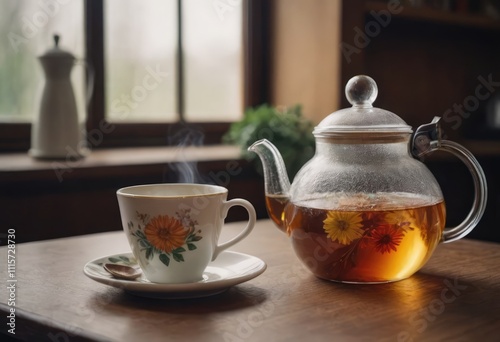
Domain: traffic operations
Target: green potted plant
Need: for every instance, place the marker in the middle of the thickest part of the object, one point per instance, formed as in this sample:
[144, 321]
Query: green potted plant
[284, 127]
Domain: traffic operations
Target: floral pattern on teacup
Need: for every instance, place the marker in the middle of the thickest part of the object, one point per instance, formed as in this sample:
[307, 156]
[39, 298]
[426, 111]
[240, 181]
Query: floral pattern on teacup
[166, 235]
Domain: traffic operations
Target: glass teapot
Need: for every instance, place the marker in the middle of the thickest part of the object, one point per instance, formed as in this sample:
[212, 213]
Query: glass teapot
[364, 209]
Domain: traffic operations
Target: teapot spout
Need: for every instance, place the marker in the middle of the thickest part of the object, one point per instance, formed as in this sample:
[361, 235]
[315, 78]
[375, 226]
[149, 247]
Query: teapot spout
[276, 180]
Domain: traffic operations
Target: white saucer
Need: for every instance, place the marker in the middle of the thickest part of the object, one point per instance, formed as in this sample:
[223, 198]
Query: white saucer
[230, 268]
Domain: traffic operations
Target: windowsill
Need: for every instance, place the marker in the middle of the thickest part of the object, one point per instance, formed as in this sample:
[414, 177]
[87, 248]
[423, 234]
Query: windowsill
[20, 166]
[125, 162]
[82, 200]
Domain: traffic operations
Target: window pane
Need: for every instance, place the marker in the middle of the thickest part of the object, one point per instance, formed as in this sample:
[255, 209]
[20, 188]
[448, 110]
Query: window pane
[27, 28]
[212, 46]
[140, 48]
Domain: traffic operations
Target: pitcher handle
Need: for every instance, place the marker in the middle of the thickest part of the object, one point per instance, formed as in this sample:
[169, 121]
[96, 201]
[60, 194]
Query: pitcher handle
[89, 70]
[427, 139]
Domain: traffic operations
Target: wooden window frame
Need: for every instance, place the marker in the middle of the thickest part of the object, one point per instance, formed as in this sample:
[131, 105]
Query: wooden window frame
[256, 32]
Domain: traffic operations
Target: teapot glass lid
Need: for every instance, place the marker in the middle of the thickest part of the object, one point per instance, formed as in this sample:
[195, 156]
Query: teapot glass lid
[361, 91]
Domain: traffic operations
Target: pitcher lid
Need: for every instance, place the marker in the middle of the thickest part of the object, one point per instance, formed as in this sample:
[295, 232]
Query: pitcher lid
[361, 91]
[56, 51]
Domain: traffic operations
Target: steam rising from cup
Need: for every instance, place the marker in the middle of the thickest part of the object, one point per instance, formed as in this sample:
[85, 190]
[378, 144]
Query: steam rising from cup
[182, 136]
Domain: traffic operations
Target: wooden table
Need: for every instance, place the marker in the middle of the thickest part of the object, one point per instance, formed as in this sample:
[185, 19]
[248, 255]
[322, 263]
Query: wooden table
[455, 297]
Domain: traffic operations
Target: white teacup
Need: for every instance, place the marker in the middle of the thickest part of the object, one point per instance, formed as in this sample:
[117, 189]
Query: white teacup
[173, 229]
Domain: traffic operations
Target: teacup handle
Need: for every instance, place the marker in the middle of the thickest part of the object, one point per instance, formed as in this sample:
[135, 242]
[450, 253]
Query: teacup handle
[252, 217]
[426, 139]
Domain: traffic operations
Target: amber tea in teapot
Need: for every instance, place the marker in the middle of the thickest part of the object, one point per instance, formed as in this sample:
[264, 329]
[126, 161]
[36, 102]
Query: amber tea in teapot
[365, 209]
[377, 239]
[276, 209]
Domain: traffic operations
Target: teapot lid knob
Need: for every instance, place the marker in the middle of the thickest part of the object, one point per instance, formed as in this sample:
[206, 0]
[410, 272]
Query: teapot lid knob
[362, 117]
[361, 91]
[56, 40]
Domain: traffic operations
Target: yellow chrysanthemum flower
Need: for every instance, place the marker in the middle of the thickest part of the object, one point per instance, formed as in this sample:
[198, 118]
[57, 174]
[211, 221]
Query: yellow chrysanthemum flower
[401, 219]
[343, 226]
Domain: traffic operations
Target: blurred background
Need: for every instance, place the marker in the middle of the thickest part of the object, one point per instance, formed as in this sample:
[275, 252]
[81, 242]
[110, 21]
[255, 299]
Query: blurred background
[161, 67]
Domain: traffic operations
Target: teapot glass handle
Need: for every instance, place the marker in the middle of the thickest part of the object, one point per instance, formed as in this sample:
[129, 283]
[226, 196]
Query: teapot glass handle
[426, 139]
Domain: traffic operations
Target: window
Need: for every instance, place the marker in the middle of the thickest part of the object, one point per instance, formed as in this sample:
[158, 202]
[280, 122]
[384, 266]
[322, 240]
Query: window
[27, 28]
[155, 64]
[141, 41]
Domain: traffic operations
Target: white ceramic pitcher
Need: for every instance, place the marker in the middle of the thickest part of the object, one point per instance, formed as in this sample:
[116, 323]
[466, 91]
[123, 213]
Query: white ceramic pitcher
[56, 132]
